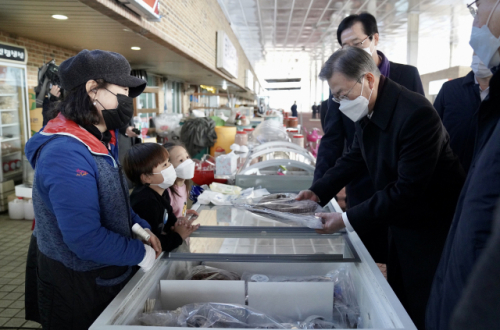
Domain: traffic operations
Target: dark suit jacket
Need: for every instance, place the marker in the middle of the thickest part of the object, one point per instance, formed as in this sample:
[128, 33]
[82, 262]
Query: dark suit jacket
[337, 139]
[457, 104]
[417, 179]
[472, 222]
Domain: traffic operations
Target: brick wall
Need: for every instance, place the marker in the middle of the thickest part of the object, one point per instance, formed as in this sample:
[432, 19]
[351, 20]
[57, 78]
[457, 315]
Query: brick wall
[38, 52]
[188, 27]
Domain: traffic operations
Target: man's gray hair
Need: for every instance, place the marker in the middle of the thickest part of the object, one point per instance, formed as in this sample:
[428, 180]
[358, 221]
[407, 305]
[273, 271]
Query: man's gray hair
[352, 62]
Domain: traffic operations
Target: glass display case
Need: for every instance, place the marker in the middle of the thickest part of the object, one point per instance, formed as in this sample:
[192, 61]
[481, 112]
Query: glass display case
[281, 272]
[13, 105]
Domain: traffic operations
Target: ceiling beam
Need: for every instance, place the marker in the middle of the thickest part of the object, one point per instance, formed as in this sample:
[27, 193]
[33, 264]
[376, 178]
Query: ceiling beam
[304, 22]
[329, 26]
[275, 14]
[319, 20]
[262, 42]
[289, 21]
[361, 7]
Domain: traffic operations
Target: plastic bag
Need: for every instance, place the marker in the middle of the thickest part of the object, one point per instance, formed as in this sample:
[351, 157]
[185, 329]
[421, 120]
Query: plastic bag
[166, 122]
[217, 315]
[270, 130]
[284, 208]
[249, 277]
[346, 310]
[225, 188]
[211, 273]
[211, 315]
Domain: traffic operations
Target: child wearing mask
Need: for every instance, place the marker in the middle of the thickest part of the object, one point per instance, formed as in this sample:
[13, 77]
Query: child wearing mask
[147, 165]
[184, 168]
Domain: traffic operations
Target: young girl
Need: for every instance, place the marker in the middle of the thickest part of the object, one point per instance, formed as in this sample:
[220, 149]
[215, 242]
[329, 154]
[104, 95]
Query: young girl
[184, 168]
[147, 165]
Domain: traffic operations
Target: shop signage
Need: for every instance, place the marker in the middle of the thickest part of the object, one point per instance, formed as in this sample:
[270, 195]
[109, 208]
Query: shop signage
[249, 80]
[149, 9]
[13, 53]
[227, 58]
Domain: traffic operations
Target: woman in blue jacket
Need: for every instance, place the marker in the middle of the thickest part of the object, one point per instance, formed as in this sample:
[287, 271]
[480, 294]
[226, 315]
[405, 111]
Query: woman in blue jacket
[83, 250]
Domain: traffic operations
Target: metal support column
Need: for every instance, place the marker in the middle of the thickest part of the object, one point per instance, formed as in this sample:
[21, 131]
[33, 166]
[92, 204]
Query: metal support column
[412, 47]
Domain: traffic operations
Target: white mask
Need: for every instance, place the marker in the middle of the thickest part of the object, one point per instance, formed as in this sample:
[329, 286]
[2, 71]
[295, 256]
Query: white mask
[357, 108]
[479, 69]
[169, 177]
[485, 44]
[185, 170]
[368, 49]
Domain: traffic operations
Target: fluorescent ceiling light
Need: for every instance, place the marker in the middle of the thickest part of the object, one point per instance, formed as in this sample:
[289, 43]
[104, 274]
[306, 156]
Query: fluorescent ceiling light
[62, 17]
[135, 48]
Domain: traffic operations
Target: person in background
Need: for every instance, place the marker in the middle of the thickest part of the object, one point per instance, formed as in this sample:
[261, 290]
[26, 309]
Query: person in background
[400, 138]
[147, 165]
[53, 96]
[294, 109]
[126, 139]
[184, 168]
[360, 31]
[472, 223]
[82, 251]
[314, 110]
[457, 103]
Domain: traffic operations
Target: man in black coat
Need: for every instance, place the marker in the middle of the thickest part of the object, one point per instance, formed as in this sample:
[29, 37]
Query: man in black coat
[471, 227]
[360, 31]
[401, 140]
[457, 104]
[294, 109]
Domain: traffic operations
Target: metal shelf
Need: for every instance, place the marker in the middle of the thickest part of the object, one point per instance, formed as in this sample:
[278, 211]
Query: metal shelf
[10, 94]
[8, 125]
[11, 153]
[9, 139]
[13, 173]
[8, 110]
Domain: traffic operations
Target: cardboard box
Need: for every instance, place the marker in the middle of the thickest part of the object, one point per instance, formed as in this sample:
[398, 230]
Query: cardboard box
[6, 186]
[36, 118]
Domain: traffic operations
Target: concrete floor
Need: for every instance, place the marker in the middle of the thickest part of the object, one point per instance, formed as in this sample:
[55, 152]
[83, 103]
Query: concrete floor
[14, 240]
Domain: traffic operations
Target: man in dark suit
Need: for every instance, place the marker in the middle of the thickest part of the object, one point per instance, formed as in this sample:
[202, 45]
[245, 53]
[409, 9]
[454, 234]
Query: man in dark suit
[294, 109]
[472, 223]
[360, 31]
[457, 104]
[417, 178]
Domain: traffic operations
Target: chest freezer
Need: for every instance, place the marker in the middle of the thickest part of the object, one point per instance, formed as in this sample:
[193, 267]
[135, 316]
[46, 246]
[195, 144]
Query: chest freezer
[258, 251]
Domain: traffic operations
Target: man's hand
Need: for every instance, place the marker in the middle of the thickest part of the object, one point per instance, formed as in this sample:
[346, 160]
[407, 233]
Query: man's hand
[55, 91]
[332, 223]
[307, 194]
[129, 132]
[154, 242]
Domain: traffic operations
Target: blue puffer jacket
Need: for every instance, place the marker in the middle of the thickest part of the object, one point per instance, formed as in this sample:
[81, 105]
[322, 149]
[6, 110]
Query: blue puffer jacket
[82, 208]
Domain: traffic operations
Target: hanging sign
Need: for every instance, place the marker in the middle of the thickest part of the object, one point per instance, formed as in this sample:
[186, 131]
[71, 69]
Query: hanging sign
[227, 57]
[149, 9]
[13, 53]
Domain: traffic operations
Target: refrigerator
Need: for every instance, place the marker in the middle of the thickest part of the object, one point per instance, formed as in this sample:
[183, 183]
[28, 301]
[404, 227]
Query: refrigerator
[276, 267]
[14, 124]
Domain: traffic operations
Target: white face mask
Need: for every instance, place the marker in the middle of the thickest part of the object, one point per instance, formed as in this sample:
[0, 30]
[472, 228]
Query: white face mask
[185, 170]
[479, 69]
[485, 44]
[369, 48]
[357, 108]
[169, 177]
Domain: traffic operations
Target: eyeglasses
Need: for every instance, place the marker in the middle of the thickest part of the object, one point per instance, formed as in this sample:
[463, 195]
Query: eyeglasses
[343, 97]
[472, 10]
[359, 44]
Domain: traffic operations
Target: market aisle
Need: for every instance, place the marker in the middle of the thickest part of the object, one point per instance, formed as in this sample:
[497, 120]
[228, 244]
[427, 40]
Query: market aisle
[14, 241]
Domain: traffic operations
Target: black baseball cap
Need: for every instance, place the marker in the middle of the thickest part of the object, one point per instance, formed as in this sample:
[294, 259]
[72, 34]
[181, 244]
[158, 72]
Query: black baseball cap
[99, 64]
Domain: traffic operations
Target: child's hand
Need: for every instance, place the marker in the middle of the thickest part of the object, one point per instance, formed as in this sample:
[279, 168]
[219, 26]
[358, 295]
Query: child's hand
[184, 229]
[193, 212]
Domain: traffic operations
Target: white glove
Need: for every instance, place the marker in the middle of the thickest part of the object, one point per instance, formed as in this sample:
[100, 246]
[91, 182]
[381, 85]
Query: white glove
[149, 258]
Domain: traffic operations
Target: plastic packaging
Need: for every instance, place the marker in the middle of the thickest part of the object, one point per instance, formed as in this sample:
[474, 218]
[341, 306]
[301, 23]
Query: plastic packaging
[225, 189]
[212, 274]
[270, 130]
[29, 212]
[16, 209]
[140, 232]
[166, 122]
[211, 315]
[284, 208]
[250, 277]
[346, 312]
